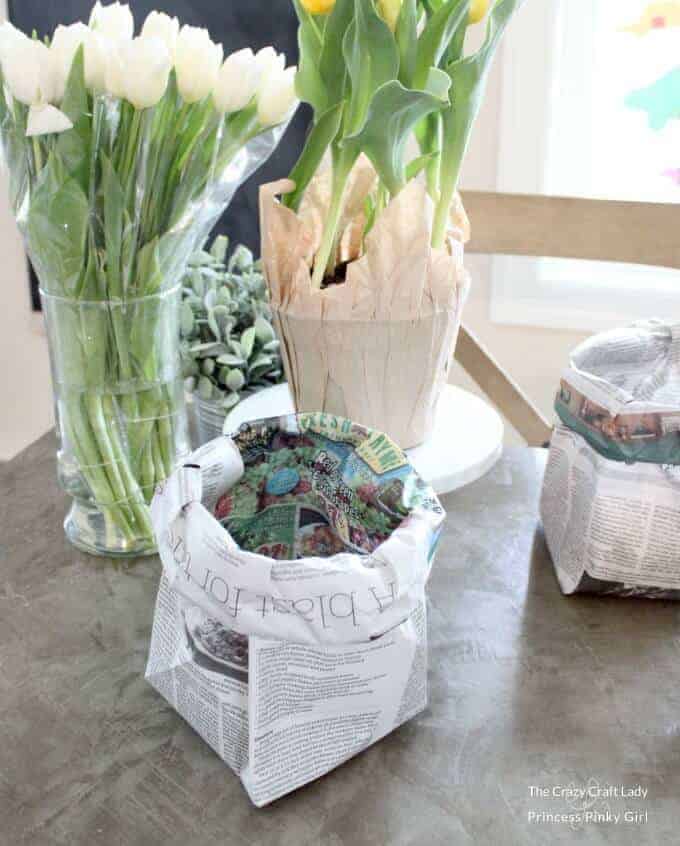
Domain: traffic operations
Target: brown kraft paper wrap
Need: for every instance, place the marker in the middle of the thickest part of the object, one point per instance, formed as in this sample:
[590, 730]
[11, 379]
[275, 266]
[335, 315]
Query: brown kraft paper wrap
[377, 348]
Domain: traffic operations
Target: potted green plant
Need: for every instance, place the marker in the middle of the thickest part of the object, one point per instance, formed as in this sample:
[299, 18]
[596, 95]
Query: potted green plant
[364, 252]
[229, 348]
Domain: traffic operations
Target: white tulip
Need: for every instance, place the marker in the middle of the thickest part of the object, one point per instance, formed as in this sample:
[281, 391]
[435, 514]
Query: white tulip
[65, 43]
[197, 63]
[276, 100]
[115, 73]
[160, 25]
[138, 70]
[9, 36]
[237, 82]
[114, 21]
[46, 120]
[27, 66]
[269, 62]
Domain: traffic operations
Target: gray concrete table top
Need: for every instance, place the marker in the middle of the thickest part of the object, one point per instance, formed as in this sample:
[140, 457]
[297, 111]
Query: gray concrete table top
[531, 694]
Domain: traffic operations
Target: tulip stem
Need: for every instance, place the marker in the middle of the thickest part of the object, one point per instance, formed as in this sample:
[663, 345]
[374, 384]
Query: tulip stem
[343, 162]
[37, 153]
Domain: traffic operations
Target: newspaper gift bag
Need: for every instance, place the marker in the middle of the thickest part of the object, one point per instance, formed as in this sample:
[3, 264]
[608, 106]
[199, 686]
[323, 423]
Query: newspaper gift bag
[611, 496]
[290, 626]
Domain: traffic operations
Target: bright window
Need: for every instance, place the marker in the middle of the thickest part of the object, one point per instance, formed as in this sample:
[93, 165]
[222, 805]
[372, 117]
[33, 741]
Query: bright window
[601, 119]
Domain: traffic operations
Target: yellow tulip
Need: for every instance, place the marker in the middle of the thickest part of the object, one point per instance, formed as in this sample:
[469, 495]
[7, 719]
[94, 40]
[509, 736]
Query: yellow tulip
[389, 12]
[478, 10]
[318, 7]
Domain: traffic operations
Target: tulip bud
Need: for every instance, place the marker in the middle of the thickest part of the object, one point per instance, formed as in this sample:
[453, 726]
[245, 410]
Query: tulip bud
[197, 63]
[10, 35]
[27, 66]
[478, 10]
[268, 62]
[65, 43]
[318, 7]
[389, 12]
[276, 98]
[114, 21]
[160, 25]
[138, 71]
[237, 82]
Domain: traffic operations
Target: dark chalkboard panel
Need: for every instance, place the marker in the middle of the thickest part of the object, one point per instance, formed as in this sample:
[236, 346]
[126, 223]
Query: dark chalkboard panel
[236, 23]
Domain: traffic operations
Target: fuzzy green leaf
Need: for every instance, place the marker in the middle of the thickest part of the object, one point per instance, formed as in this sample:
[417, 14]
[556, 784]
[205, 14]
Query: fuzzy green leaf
[231, 360]
[235, 380]
[264, 330]
[248, 341]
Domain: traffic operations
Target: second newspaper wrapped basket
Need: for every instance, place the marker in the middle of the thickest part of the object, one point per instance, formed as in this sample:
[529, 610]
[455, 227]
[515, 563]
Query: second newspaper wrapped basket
[290, 627]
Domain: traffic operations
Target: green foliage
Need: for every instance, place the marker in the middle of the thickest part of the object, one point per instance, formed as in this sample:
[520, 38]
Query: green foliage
[229, 347]
[372, 88]
[468, 84]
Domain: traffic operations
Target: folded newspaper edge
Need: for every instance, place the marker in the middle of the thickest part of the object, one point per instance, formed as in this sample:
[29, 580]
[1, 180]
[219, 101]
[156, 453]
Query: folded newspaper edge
[345, 598]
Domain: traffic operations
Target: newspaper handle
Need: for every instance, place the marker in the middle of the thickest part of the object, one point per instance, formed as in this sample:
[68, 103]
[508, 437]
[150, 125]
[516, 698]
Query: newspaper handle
[346, 598]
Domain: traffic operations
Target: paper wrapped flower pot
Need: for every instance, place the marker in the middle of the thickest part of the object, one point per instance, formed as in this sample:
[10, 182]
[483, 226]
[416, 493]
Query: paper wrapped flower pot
[611, 497]
[378, 347]
[290, 626]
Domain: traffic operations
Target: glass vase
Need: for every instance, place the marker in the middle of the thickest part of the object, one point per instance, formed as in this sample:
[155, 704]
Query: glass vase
[120, 412]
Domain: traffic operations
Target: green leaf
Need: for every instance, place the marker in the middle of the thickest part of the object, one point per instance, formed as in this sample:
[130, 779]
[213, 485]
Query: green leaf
[74, 145]
[57, 227]
[241, 259]
[309, 84]
[264, 331]
[149, 271]
[212, 323]
[318, 141]
[394, 112]
[208, 349]
[419, 164]
[468, 82]
[372, 58]
[219, 248]
[186, 319]
[208, 366]
[231, 400]
[331, 60]
[435, 38]
[235, 380]
[114, 206]
[248, 341]
[205, 388]
[407, 41]
[231, 360]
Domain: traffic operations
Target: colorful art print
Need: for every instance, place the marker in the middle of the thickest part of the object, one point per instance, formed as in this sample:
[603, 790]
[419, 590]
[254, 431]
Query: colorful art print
[618, 427]
[316, 465]
[649, 436]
